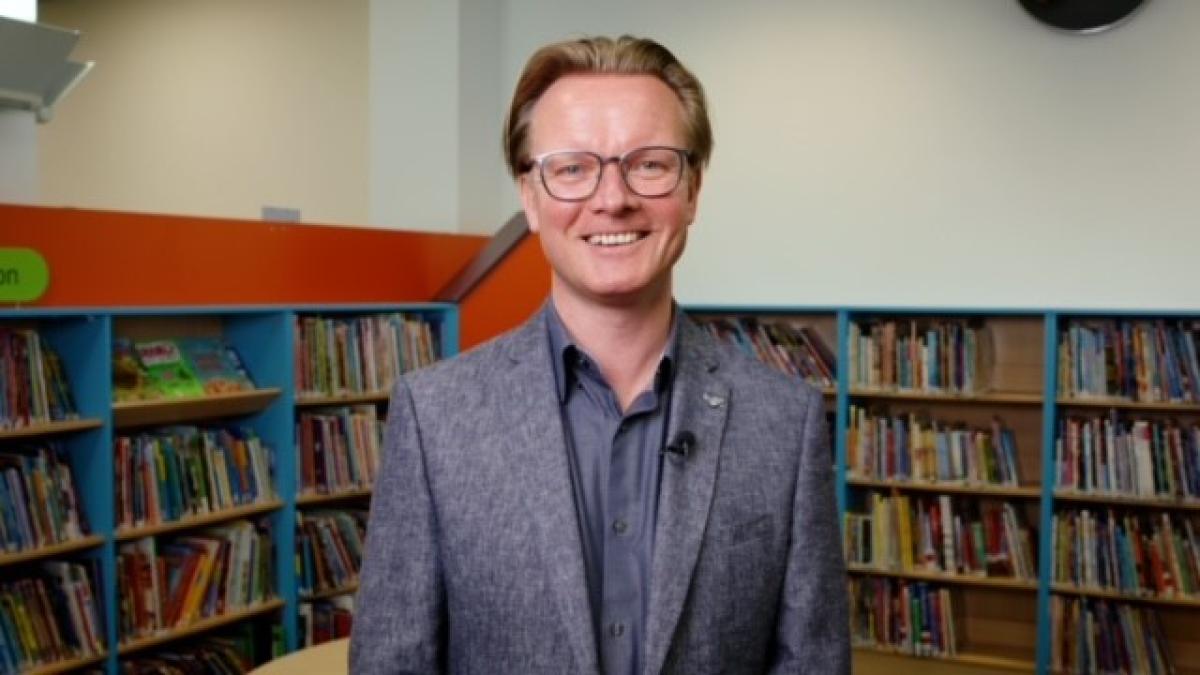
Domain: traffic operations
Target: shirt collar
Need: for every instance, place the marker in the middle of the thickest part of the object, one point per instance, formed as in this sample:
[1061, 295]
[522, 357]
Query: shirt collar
[565, 354]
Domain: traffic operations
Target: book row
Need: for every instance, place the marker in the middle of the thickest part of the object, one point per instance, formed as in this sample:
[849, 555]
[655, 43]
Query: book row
[35, 384]
[911, 447]
[181, 471]
[929, 356]
[176, 367]
[360, 354]
[172, 582]
[39, 503]
[791, 347]
[48, 616]
[232, 651]
[1097, 636]
[911, 617]
[1140, 554]
[338, 449]
[326, 620]
[941, 534]
[1138, 360]
[1142, 458]
[329, 545]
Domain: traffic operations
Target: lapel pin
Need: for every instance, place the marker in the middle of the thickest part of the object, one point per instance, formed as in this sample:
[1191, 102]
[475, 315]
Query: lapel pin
[714, 400]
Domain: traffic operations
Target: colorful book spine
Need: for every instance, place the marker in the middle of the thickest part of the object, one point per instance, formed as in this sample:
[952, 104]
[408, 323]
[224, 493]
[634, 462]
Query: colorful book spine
[35, 387]
[911, 617]
[176, 472]
[339, 449]
[173, 582]
[1098, 636]
[39, 502]
[1139, 554]
[360, 355]
[1135, 458]
[325, 620]
[935, 356]
[1149, 361]
[49, 615]
[913, 448]
[789, 346]
[329, 548]
[941, 534]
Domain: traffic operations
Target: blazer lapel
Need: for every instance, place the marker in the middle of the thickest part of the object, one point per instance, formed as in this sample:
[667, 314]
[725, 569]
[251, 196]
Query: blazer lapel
[538, 461]
[699, 404]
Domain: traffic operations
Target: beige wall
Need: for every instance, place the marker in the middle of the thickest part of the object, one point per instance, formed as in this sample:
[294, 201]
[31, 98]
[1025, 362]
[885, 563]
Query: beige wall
[213, 107]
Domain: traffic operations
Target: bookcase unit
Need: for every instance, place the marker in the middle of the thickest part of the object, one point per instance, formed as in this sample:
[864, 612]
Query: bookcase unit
[264, 338]
[1002, 624]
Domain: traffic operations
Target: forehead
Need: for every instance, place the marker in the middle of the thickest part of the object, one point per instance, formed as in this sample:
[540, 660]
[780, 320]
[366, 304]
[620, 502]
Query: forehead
[606, 113]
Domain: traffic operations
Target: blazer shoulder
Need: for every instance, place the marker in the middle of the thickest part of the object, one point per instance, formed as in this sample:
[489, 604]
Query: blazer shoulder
[470, 368]
[746, 372]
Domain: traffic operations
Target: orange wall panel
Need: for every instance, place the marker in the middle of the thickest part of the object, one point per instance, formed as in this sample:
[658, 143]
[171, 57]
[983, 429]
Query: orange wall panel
[513, 291]
[103, 258]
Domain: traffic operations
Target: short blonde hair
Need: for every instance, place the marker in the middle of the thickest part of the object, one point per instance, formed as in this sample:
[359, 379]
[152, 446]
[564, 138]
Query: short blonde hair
[625, 55]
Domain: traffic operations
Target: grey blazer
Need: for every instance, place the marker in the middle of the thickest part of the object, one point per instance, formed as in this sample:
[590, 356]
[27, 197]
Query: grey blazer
[473, 558]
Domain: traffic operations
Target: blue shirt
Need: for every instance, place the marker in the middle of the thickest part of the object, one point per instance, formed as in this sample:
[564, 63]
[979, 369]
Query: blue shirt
[615, 460]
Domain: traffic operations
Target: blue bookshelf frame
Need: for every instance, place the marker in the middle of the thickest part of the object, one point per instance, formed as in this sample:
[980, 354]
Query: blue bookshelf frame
[263, 336]
[1052, 321]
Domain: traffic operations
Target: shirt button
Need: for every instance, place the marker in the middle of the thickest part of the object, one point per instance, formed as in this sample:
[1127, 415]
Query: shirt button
[616, 630]
[620, 526]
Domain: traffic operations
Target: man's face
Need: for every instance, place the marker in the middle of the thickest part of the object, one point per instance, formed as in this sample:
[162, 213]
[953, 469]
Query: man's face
[609, 115]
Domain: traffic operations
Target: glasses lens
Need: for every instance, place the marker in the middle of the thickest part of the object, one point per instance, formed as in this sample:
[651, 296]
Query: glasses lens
[653, 172]
[570, 175]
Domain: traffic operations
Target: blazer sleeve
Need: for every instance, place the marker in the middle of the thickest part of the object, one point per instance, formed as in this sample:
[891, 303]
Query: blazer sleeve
[399, 622]
[813, 632]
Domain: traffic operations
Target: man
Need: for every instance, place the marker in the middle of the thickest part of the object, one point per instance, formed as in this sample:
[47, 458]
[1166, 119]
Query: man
[605, 489]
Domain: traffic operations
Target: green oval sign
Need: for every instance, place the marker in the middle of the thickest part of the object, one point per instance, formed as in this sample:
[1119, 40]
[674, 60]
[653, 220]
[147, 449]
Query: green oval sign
[24, 275]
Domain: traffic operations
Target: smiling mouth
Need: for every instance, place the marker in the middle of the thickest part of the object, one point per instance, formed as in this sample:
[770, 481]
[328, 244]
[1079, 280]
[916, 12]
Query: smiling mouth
[615, 238]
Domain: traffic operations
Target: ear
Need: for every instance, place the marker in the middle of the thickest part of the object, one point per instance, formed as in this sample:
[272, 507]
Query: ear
[529, 199]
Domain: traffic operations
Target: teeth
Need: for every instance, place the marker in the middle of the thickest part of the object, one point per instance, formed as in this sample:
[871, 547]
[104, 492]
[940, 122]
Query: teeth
[613, 239]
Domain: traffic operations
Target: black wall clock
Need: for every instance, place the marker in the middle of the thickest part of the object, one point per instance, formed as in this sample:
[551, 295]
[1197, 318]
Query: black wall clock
[1081, 16]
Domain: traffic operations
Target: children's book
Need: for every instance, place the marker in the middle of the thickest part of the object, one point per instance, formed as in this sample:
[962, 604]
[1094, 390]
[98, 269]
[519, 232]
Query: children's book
[215, 364]
[168, 372]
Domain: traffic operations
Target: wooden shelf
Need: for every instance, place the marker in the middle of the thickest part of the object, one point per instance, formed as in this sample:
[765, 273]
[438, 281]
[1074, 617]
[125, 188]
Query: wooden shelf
[1071, 589]
[71, 546]
[311, 498]
[1021, 492]
[985, 398]
[965, 658]
[1125, 500]
[189, 522]
[348, 589]
[169, 411]
[308, 401]
[67, 665]
[1128, 404]
[51, 428]
[942, 577]
[200, 626]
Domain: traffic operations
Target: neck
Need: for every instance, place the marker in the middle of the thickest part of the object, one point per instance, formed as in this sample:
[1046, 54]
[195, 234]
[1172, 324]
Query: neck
[627, 341]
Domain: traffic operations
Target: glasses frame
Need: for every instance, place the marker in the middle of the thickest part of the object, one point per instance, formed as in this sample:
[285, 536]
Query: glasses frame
[685, 157]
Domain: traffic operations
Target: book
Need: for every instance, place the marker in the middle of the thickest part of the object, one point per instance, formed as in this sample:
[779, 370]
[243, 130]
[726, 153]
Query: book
[910, 617]
[167, 371]
[1089, 636]
[216, 364]
[34, 381]
[39, 502]
[329, 548]
[49, 614]
[339, 449]
[338, 355]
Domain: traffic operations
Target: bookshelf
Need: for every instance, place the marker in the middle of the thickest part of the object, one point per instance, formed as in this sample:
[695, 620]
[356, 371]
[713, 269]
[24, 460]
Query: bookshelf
[264, 338]
[1003, 624]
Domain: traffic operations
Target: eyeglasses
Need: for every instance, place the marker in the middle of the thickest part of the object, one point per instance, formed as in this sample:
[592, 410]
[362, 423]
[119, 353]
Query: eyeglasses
[574, 175]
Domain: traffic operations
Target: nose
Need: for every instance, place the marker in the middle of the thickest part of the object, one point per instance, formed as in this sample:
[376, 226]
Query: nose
[612, 194]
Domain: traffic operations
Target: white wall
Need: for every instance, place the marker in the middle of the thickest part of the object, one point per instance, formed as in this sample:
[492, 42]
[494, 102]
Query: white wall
[213, 107]
[928, 152]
